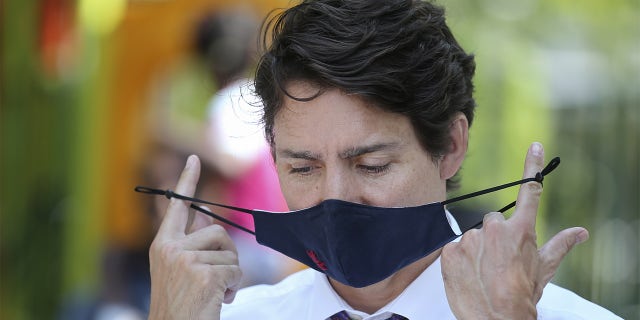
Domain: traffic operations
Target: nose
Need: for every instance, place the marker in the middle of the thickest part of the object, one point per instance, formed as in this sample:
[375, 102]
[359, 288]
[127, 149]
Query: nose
[341, 185]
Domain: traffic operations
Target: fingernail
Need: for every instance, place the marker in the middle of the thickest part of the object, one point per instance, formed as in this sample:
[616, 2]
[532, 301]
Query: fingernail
[190, 161]
[536, 149]
[582, 236]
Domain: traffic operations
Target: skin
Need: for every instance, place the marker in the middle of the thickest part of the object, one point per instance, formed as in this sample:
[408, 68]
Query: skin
[338, 147]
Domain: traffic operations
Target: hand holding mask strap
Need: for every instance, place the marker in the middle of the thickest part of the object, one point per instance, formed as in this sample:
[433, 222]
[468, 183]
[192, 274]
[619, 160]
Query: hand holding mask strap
[170, 194]
[552, 165]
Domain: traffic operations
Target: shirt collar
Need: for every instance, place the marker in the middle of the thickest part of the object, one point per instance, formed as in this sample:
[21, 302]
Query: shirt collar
[428, 287]
[324, 301]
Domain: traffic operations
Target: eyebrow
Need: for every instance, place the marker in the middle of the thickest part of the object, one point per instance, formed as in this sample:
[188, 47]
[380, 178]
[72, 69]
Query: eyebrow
[361, 150]
[305, 155]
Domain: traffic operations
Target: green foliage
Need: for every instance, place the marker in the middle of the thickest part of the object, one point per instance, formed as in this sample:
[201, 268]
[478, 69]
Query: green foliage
[33, 164]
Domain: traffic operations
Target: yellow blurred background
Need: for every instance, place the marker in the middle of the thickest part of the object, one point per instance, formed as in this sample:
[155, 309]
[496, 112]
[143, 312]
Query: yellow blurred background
[82, 82]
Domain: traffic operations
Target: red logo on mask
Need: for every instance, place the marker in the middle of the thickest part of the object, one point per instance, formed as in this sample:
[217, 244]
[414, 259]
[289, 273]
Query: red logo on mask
[312, 254]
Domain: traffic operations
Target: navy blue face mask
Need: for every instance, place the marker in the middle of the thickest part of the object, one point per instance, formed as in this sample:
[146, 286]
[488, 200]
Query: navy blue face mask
[355, 244]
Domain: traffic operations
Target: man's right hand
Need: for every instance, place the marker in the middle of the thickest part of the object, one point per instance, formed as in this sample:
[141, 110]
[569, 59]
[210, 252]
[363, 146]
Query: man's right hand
[194, 263]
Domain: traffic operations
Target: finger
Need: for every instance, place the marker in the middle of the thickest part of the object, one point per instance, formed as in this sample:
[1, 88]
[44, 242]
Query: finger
[199, 220]
[529, 194]
[176, 218]
[230, 295]
[213, 237]
[218, 258]
[552, 253]
[492, 221]
[492, 216]
[233, 284]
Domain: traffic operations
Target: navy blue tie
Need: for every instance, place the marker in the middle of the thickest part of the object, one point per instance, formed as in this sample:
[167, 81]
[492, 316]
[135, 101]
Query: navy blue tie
[343, 315]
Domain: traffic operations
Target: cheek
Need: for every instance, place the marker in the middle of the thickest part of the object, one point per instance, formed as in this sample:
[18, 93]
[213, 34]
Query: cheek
[397, 189]
[293, 198]
[405, 191]
[417, 186]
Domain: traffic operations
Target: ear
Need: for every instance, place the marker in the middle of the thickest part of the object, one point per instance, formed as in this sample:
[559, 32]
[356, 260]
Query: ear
[452, 160]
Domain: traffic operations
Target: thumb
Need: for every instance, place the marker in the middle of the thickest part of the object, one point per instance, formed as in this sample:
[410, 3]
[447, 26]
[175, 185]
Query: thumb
[552, 253]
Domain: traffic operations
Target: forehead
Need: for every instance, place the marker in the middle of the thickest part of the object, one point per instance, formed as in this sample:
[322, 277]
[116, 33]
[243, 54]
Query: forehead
[335, 120]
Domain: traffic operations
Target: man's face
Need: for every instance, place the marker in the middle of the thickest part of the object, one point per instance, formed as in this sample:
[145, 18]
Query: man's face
[338, 147]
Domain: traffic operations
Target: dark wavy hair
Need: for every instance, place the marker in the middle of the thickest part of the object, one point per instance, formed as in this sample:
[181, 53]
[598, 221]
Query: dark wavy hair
[398, 55]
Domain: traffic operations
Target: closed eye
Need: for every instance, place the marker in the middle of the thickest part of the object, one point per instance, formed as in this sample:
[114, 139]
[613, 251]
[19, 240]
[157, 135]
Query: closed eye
[301, 170]
[374, 169]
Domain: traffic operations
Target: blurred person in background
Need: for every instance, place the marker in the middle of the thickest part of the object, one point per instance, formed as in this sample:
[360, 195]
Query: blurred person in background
[235, 143]
[367, 106]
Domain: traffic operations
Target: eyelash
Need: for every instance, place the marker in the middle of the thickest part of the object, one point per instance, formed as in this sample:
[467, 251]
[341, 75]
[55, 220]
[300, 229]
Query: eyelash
[375, 169]
[301, 170]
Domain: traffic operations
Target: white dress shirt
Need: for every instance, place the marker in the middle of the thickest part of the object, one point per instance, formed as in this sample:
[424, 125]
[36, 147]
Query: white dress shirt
[308, 295]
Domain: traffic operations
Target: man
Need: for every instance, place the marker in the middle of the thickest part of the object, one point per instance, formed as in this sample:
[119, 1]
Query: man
[367, 106]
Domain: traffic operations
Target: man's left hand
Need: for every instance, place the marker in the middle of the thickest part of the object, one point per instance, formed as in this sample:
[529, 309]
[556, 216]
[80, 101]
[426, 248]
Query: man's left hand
[498, 272]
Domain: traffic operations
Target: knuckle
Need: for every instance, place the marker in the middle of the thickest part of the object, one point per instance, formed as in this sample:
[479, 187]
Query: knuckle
[533, 188]
[492, 221]
[221, 238]
[227, 275]
[216, 228]
[175, 204]
[469, 236]
[468, 242]
[232, 257]
[163, 250]
[217, 232]
[185, 259]
[448, 251]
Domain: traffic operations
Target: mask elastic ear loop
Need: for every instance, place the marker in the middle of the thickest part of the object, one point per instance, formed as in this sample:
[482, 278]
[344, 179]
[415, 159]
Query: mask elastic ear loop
[170, 194]
[552, 165]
